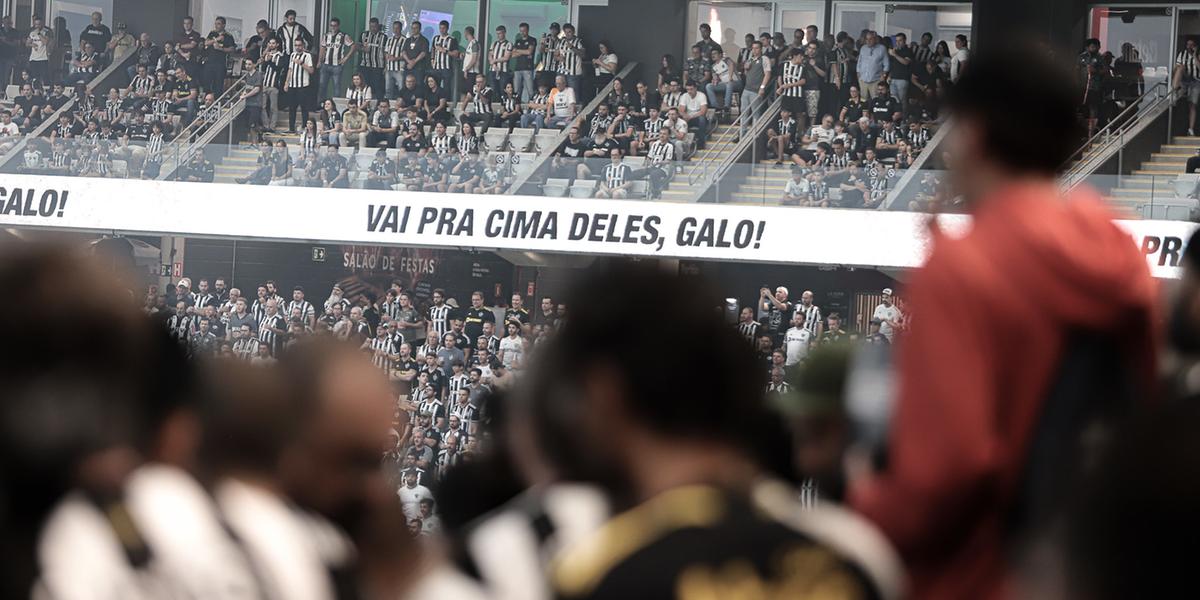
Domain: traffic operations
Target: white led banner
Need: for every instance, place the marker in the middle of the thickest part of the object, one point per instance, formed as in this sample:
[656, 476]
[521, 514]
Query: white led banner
[613, 227]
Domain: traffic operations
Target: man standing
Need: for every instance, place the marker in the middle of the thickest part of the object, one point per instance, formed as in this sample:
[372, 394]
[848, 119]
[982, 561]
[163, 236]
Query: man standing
[974, 382]
[1187, 77]
[811, 315]
[416, 52]
[569, 57]
[872, 64]
[307, 313]
[773, 311]
[523, 48]
[888, 315]
[218, 45]
[796, 342]
[97, 33]
[336, 49]
[498, 55]
[1091, 77]
[545, 314]
[370, 57]
[475, 316]
[442, 48]
[693, 108]
[393, 52]
[900, 72]
[39, 40]
[757, 74]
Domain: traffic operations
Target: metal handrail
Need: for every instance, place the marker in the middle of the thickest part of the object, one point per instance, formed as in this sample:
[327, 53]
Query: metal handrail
[545, 153]
[200, 132]
[700, 169]
[752, 135]
[18, 149]
[1099, 148]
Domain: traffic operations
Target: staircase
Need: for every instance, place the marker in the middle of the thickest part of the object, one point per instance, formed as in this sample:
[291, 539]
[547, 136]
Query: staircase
[242, 159]
[679, 190]
[763, 184]
[1153, 181]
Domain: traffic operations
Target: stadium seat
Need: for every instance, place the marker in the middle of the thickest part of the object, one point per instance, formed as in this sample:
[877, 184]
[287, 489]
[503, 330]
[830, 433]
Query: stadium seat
[555, 188]
[635, 162]
[12, 91]
[494, 139]
[544, 139]
[583, 188]
[522, 162]
[519, 139]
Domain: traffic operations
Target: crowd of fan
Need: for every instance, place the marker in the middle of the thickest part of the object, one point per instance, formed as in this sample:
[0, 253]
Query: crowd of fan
[443, 359]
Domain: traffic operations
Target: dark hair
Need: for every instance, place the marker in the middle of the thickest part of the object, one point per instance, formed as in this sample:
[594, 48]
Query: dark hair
[339, 21]
[610, 328]
[501, 28]
[469, 29]
[289, 13]
[984, 94]
[443, 22]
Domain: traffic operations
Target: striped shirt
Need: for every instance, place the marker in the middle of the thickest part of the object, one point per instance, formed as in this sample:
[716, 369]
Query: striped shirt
[60, 160]
[160, 108]
[922, 55]
[616, 175]
[112, 109]
[288, 34]
[1191, 68]
[509, 103]
[889, 137]
[539, 99]
[86, 56]
[652, 127]
[360, 95]
[458, 382]
[482, 100]
[441, 60]
[571, 63]
[466, 413]
[308, 141]
[245, 348]
[661, 152]
[273, 68]
[749, 330]
[440, 144]
[439, 318]
[466, 144]
[372, 43]
[298, 76]
[500, 48]
[918, 138]
[811, 316]
[306, 309]
[787, 127]
[382, 350]
[335, 46]
[154, 145]
[265, 333]
[433, 406]
[793, 73]
[837, 161]
[141, 85]
[394, 46]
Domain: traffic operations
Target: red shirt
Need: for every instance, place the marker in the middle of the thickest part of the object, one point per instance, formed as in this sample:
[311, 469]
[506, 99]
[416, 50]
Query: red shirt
[990, 314]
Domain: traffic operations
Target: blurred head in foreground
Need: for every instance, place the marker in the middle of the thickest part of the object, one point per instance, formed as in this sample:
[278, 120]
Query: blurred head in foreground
[74, 388]
[628, 387]
[1014, 118]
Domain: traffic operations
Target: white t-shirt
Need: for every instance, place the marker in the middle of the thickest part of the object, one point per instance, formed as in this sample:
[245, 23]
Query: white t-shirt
[10, 129]
[692, 105]
[796, 189]
[956, 63]
[795, 344]
[563, 101]
[886, 313]
[512, 351]
[819, 134]
[608, 59]
[410, 499]
[723, 71]
[40, 48]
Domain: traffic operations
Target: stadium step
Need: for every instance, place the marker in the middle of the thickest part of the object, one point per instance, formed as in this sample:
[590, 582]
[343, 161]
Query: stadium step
[1152, 182]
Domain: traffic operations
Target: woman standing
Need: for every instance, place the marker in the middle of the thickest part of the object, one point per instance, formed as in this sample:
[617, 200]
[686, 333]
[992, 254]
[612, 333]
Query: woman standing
[605, 65]
[296, 87]
[667, 71]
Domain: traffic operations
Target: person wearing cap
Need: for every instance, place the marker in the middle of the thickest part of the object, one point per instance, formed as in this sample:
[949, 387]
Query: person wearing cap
[121, 44]
[874, 336]
[888, 315]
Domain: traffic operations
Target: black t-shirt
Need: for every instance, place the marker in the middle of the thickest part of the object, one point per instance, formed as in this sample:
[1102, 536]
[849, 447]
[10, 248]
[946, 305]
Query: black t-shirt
[183, 88]
[414, 46]
[570, 149]
[812, 79]
[776, 319]
[898, 70]
[226, 41]
[432, 98]
[27, 103]
[98, 35]
[882, 108]
[854, 109]
[413, 144]
[473, 320]
[524, 63]
[605, 148]
[408, 97]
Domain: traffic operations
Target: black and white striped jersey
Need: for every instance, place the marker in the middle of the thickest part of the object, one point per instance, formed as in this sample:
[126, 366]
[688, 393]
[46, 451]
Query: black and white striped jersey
[571, 63]
[749, 330]
[811, 315]
[457, 382]
[481, 100]
[499, 49]
[839, 161]
[439, 318]
[371, 52]
[652, 127]
[466, 144]
[383, 348]
[433, 406]
[358, 95]
[889, 137]
[616, 175]
[539, 99]
[509, 103]
[661, 152]
[141, 85]
[306, 309]
[394, 46]
[1191, 67]
[245, 348]
[440, 144]
[160, 109]
[180, 327]
[466, 413]
[792, 73]
[336, 46]
[269, 337]
[274, 68]
[441, 60]
[786, 126]
[599, 123]
[298, 76]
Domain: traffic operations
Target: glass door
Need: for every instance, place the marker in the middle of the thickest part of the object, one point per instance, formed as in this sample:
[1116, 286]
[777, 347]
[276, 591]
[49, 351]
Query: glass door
[730, 22]
[854, 17]
[792, 15]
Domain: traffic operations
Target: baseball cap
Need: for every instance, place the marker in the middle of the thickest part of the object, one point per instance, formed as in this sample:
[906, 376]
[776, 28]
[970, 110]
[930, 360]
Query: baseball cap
[887, 291]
